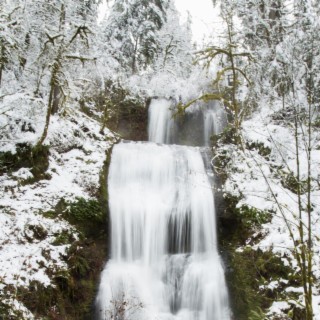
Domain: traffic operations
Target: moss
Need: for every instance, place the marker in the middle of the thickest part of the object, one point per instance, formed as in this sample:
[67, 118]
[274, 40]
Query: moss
[27, 156]
[51, 214]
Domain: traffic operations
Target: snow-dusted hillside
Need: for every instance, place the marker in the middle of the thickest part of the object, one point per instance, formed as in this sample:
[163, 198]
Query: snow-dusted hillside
[28, 248]
[259, 176]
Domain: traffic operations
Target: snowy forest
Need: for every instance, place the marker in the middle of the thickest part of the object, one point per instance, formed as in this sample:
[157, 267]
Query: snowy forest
[146, 174]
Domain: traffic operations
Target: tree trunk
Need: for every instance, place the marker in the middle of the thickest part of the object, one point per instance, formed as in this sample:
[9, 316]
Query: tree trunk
[55, 99]
[46, 126]
[1, 68]
[53, 86]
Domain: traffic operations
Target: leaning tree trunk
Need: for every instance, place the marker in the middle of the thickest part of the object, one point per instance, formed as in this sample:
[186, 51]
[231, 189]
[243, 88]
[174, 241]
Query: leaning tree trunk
[55, 99]
[53, 85]
[2, 59]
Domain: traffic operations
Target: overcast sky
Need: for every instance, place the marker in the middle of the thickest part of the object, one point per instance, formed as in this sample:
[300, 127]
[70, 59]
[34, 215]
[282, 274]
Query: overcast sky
[204, 17]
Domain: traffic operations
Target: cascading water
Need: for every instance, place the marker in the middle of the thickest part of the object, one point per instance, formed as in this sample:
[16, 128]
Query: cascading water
[164, 261]
[163, 128]
[161, 124]
[215, 120]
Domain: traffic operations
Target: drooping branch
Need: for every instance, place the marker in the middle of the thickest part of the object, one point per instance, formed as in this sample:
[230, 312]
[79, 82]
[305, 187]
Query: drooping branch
[82, 32]
[206, 97]
[81, 58]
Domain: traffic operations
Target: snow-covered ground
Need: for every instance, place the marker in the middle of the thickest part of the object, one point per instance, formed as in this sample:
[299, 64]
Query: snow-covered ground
[256, 176]
[27, 248]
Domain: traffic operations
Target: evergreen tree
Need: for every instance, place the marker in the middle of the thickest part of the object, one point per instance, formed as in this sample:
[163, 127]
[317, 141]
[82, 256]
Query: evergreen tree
[131, 32]
[175, 45]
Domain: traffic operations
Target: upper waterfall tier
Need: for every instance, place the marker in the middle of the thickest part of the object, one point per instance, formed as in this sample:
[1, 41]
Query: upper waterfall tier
[161, 123]
[195, 127]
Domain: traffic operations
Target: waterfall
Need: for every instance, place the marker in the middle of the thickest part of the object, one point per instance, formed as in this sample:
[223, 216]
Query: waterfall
[163, 128]
[164, 260]
[161, 124]
[215, 120]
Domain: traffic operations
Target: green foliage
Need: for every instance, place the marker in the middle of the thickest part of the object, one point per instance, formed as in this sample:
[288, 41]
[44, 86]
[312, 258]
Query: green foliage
[247, 218]
[84, 210]
[228, 136]
[250, 269]
[72, 292]
[87, 215]
[252, 217]
[51, 214]
[38, 298]
[221, 160]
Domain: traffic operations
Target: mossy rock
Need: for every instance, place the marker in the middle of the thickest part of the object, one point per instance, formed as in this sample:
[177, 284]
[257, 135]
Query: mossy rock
[123, 112]
[27, 156]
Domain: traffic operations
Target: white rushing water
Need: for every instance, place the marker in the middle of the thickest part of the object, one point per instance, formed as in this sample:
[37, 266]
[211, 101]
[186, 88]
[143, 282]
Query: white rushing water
[163, 127]
[161, 122]
[215, 120]
[164, 261]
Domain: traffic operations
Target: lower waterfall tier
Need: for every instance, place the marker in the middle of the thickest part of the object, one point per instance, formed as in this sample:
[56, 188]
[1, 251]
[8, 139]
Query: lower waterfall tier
[164, 261]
